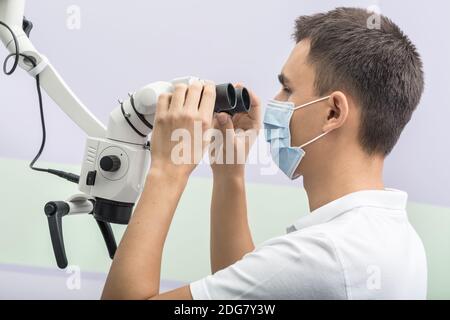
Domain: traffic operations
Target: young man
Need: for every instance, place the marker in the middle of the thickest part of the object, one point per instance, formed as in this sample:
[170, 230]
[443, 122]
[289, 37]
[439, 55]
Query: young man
[347, 93]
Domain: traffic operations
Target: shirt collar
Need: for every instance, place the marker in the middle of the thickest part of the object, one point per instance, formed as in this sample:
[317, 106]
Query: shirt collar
[387, 199]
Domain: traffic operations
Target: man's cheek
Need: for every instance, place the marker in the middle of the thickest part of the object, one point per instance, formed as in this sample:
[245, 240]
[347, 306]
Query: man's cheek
[295, 131]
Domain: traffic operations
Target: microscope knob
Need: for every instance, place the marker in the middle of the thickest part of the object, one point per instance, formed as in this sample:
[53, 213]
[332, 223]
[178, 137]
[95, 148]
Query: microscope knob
[110, 163]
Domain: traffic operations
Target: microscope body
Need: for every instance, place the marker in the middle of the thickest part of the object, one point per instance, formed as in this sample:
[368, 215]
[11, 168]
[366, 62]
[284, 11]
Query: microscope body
[115, 167]
[114, 174]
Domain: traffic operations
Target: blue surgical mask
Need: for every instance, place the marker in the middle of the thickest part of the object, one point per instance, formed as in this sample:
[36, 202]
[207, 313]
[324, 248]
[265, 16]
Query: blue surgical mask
[276, 126]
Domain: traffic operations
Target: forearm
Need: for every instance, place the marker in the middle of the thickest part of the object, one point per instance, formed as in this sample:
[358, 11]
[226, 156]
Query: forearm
[230, 233]
[136, 269]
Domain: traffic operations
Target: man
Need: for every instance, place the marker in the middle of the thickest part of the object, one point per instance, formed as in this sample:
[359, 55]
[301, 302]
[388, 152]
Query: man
[347, 93]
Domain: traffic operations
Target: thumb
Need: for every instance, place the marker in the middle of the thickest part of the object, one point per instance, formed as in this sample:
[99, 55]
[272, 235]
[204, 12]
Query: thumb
[223, 121]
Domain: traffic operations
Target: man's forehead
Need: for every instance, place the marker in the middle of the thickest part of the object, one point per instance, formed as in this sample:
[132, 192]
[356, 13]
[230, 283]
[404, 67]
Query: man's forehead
[297, 60]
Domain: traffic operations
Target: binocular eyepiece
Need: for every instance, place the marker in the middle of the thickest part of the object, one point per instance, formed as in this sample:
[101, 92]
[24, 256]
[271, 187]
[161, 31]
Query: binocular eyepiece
[232, 100]
[143, 102]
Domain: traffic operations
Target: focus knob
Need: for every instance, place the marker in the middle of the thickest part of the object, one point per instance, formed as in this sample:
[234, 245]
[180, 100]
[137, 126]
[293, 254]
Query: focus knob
[110, 163]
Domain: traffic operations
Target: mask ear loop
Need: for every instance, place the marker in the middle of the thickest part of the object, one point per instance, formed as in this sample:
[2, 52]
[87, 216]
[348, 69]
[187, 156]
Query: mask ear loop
[311, 141]
[308, 104]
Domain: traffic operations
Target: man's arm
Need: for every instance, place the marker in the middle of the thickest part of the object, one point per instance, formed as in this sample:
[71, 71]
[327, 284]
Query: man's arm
[136, 268]
[135, 272]
[230, 233]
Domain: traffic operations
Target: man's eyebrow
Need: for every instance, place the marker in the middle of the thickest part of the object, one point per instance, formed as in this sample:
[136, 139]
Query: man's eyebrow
[282, 79]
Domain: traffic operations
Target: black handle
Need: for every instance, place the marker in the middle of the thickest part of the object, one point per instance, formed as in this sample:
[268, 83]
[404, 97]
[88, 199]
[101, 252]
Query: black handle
[55, 211]
[108, 236]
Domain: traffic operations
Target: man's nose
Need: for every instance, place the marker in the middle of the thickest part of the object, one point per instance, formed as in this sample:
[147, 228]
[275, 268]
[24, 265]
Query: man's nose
[279, 96]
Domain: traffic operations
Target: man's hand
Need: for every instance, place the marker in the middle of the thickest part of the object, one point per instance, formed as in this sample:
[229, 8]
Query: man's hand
[230, 233]
[239, 133]
[181, 120]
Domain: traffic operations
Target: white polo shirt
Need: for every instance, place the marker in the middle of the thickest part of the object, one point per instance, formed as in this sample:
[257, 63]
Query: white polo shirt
[360, 246]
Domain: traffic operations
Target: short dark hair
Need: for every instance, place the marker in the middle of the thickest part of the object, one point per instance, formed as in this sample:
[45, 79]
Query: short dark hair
[379, 67]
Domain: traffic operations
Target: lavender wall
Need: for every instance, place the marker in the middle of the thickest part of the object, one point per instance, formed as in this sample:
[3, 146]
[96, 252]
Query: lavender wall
[123, 45]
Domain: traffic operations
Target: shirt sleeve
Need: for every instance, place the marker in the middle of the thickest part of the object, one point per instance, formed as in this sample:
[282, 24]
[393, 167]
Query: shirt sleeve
[294, 266]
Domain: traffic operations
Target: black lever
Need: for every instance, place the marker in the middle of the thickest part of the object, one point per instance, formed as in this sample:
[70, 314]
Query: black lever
[55, 211]
[108, 236]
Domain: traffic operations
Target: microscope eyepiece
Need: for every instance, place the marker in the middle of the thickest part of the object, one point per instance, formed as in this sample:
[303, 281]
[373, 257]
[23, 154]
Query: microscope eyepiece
[243, 100]
[231, 100]
[225, 98]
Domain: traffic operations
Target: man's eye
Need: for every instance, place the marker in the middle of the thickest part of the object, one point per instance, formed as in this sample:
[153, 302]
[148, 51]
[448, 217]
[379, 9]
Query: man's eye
[287, 90]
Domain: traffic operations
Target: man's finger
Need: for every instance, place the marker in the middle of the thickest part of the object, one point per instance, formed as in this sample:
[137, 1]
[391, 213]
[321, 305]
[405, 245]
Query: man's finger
[208, 100]
[224, 121]
[162, 106]
[178, 98]
[193, 96]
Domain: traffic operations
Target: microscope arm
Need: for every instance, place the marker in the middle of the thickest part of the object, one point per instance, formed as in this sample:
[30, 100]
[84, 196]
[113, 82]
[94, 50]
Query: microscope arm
[61, 94]
[11, 13]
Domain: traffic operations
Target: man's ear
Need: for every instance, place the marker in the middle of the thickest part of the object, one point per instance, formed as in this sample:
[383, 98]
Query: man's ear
[337, 111]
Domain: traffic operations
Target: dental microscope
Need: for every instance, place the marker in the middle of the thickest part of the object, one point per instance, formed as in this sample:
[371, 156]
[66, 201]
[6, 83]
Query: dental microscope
[117, 156]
